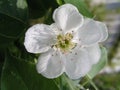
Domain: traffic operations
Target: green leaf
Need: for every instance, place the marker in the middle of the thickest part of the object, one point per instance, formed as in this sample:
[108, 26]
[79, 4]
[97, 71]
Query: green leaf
[1, 64]
[13, 18]
[97, 67]
[38, 8]
[60, 2]
[16, 9]
[80, 4]
[18, 74]
[4, 41]
[9, 27]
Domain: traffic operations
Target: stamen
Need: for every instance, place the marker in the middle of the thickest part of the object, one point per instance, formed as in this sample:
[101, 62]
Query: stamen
[64, 42]
[75, 53]
[52, 46]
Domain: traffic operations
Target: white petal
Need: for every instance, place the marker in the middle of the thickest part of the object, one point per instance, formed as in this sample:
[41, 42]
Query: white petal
[104, 30]
[55, 28]
[67, 17]
[75, 38]
[50, 64]
[90, 32]
[77, 63]
[39, 38]
[94, 53]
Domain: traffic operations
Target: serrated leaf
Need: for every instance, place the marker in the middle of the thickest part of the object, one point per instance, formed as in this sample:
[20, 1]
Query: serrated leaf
[18, 74]
[81, 7]
[102, 62]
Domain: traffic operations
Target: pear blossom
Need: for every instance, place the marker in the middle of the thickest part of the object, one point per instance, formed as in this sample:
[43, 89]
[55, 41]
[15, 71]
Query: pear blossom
[70, 45]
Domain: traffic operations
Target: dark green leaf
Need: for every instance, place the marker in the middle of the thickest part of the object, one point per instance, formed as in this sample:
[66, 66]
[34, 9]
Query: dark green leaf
[1, 64]
[4, 41]
[97, 67]
[80, 4]
[16, 9]
[38, 8]
[22, 75]
[13, 18]
[9, 27]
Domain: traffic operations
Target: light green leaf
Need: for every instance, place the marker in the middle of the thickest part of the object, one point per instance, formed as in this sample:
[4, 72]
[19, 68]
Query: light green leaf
[21, 4]
[102, 62]
[60, 2]
[18, 74]
[80, 4]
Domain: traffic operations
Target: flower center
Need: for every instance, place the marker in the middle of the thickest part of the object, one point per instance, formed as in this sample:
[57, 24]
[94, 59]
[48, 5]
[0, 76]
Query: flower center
[64, 42]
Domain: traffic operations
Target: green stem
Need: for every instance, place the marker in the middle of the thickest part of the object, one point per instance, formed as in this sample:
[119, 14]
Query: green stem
[92, 83]
[62, 81]
[68, 81]
[57, 83]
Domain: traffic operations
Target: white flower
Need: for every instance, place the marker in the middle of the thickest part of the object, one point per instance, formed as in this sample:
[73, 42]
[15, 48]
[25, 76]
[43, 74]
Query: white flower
[69, 45]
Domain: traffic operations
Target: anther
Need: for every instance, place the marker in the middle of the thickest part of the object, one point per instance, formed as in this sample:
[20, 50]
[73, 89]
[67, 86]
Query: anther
[75, 53]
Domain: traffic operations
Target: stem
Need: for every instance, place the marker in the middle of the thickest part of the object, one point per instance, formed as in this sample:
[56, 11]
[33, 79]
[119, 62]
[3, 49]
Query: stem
[72, 85]
[57, 83]
[92, 83]
[68, 82]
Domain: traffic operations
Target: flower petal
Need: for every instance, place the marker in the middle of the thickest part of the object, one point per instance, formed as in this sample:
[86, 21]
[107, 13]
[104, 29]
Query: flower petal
[50, 64]
[54, 27]
[104, 30]
[67, 17]
[77, 63]
[39, 38]
[94, 53]
[90, 32]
